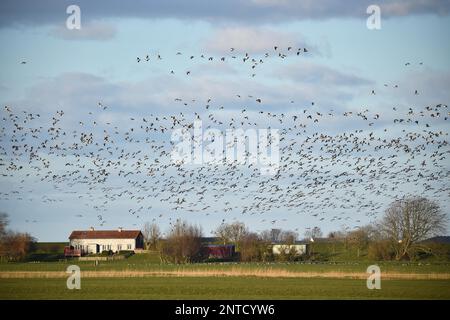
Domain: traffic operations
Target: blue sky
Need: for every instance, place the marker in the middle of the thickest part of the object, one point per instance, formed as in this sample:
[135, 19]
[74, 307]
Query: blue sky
[71, 71]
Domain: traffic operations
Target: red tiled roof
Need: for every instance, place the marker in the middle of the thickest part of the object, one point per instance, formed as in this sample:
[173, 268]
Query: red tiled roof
[105, 234]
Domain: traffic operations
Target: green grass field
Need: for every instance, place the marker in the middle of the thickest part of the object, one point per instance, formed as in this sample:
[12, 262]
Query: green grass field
[221, 288]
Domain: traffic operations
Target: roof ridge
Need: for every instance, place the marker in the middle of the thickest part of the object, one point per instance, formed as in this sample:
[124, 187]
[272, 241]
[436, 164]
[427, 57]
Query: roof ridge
[104, 234]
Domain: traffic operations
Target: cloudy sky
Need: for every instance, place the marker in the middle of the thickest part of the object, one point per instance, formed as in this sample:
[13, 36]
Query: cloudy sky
[75, 69]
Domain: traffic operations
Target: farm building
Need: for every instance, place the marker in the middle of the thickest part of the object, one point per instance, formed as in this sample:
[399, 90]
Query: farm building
[219, 251]
[299, 249]
[97, 241]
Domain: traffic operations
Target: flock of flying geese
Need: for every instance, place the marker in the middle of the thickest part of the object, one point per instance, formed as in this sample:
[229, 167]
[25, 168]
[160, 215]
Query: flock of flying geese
[253, 62]
[347, 176]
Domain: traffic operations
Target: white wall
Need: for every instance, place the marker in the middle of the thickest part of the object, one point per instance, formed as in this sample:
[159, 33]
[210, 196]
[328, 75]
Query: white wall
[88, 245]
[299, 248]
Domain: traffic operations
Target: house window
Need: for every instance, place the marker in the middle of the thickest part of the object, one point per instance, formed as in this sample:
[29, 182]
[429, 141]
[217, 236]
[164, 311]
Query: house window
[119, 247]
[128, 246]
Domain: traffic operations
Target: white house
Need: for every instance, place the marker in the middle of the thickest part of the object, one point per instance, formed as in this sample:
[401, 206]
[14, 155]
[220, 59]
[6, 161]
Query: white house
[96, 241]
[300, 249]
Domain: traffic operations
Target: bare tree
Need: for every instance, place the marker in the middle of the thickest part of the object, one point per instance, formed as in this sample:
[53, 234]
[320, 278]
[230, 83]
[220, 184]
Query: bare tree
[222, 232]
[231, 233]
[152, 235]
[278, 235]
[313, 233]
[408, 221]
[359, 239]
[337, 237]
[275, 234]
[251, 247]
[183, 243]
[266, 236]
[288, 237]
[3, 223]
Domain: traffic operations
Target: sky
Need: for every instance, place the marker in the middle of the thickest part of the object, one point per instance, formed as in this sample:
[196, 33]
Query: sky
[72, 70]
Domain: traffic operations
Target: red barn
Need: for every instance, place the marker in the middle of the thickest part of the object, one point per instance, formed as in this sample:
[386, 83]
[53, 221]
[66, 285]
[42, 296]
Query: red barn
[219, 251]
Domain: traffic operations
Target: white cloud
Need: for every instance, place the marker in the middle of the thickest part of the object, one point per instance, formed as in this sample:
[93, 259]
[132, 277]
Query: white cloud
[431, 85]
[254, 40]
[95, 30]
[270, 2]
[14, 12]
[319, 75]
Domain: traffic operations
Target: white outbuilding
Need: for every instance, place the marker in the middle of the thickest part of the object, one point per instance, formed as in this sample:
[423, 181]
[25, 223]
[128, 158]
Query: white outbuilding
[297, 249]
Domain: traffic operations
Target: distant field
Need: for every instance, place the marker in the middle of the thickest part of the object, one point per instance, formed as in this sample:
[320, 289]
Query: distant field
[221, 288]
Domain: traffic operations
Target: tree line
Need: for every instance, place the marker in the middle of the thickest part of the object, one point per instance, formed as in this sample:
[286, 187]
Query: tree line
[398, 235]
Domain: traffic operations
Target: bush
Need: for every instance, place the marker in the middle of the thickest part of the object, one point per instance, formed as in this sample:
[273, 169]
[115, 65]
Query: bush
[183, 244]
[126, 253]
[252, 248]
[47, 257]
[380, 250]
[216, 260]
[440, 250]
[288, 254]
[431, 250]
[268, 256]
[106, 253]
[318, 257]
[16, 246]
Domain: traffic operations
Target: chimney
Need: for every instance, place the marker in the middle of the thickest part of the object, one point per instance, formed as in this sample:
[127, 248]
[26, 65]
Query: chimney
[119, 229]
[91, 228]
